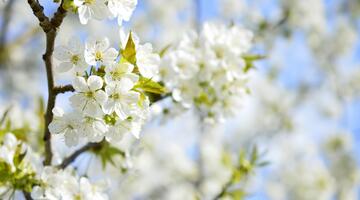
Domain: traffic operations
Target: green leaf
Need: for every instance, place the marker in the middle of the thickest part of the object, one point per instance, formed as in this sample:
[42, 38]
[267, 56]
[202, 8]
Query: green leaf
[18, 157]
[164, 50]
[254, 155]
[226, 159]
[148, 85]
[69, 5]
[249, 61]
[237, 194]
[5, 115]
[107, 153]
[129, 53]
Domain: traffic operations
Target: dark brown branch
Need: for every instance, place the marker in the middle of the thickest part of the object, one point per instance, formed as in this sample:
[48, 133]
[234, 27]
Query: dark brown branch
[58, 17]
[67, 161]
[63, 89]
[38, 11]
[47, 57]
[50, 27]
[27, 196]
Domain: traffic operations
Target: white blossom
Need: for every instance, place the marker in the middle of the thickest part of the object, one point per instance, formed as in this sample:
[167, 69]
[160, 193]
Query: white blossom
[67, 124]
[117, 71]
[72, 187]
[146, 60]
[8, 149]
[122, 9]
[121, 99]
[207, 70]
[99, 51]
[89, 97]
[89, 9]
[93, 129]
[71, 57]
[123, 127]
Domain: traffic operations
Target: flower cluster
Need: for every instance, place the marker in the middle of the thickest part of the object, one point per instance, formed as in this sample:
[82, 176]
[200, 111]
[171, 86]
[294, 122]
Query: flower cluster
[208, 70]
[17, 166]
[9, 148]
[65, 184]
[111, 89]
[21, 170]
[101, 9]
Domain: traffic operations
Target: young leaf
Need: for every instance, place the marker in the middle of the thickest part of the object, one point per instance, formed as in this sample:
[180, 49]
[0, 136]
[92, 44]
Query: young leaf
[107, 154]
[148, 85]
[249, 61]
[129, 53]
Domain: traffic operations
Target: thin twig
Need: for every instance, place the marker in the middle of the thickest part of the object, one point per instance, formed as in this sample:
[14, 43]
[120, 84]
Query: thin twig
[4, 116]
[50, 27]
[67, 161]
[223, 190]
[64, 89]
[27, 195]
[38, 11]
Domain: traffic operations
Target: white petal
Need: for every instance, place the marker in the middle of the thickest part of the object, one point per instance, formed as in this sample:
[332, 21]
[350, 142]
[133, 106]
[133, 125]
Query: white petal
[126, 67]
[80, 85]
[110, 55]
[71, 138]
[58, 112]
[78, 101]
[62, 53]
[75, 45]
[101, 97]
[100, 10]
[122, 114]
[132, 97]
[57, 127]
[90, 57]
[102, 44]
[92, 109]
[84, 14]
[95, 82]
[125, 84]
[64, 67]
[109, 107]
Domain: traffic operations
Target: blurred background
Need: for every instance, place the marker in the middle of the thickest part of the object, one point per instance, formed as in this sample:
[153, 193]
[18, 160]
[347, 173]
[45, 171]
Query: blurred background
[302, 114]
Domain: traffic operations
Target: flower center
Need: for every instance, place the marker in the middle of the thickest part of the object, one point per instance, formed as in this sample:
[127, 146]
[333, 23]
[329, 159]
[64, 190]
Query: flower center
[98, 56]
[75, 59]
[88, 2]
[219, 52]
[182, 65]
[117, 74]
[115, 96]
[77, 197]
[89, 94]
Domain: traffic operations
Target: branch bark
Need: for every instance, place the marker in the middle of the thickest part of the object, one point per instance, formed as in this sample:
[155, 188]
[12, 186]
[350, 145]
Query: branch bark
[63, 89]
[27, 195]
[50, 28]
[67, 161]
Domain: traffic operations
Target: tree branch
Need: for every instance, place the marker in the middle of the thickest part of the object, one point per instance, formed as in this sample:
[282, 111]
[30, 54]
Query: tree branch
[67, 161]
[64, 89]
[50, 27]
[38, 11]
[27, 196]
